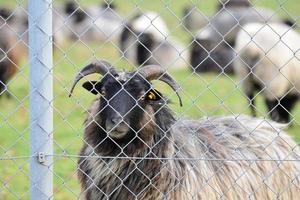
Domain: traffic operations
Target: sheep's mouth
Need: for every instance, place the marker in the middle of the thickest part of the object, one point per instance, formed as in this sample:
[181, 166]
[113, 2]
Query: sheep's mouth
[117, 134]
[116, 131]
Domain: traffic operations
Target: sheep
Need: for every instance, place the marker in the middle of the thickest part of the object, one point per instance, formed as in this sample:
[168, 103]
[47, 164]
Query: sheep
[144, 40]
[219, 36]
[269, 62]
[134, 148]
[101, 23]
[10, 52]
[91, 24]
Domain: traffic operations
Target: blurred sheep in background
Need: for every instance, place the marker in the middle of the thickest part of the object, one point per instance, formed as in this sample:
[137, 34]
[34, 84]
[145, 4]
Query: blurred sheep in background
[93, 23]
[194, 19]
[212, 48]
[145, 40]
[10, 50]
[268, 63]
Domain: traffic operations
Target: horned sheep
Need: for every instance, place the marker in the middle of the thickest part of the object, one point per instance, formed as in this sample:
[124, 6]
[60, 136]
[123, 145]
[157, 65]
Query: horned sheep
[135, 149]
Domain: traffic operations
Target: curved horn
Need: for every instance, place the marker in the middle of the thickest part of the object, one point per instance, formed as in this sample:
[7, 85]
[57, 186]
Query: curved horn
[156, 72]
[101, 67]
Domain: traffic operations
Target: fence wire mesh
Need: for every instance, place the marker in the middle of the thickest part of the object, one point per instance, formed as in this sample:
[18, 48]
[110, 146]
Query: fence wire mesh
[226, 58]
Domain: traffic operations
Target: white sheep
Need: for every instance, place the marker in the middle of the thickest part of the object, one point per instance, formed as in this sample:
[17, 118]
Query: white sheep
[269, 61]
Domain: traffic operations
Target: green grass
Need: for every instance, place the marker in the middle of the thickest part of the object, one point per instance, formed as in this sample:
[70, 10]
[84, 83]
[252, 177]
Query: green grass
[203, 95]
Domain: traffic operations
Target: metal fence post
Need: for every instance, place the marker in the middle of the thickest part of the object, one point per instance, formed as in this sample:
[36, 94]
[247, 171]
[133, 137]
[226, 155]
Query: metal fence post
[41, 96]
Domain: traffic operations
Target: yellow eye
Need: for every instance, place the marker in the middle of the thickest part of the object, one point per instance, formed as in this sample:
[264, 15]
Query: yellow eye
[151, 96]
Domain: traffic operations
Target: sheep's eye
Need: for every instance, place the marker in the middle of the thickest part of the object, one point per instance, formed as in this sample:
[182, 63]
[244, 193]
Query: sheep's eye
[151, 96]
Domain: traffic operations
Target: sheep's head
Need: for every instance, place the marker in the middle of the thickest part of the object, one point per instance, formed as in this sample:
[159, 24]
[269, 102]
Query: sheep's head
[127, 99]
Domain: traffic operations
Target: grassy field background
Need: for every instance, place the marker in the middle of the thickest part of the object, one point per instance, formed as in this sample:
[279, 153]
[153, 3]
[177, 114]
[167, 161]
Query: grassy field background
[203, 95]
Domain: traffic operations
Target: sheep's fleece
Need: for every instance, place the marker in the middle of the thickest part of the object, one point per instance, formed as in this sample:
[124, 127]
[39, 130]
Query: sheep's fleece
[272, 51]
[230, 158]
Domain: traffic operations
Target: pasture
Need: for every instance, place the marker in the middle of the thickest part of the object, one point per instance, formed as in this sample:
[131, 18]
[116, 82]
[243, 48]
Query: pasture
[202, 94]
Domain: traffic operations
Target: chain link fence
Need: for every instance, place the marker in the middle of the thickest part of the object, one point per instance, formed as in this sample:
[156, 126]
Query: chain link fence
[223, 58]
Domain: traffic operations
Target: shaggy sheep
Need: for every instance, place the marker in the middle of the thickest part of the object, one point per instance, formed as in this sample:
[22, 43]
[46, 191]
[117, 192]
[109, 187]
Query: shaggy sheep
[135, 149]
[145, 40]
[219, 36]
[269, 62]
[10, 54]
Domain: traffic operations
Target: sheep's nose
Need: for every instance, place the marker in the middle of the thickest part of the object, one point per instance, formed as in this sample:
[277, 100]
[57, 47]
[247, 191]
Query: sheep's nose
[116, 120]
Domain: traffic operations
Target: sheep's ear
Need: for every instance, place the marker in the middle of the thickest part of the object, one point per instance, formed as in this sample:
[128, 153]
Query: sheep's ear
[92, 86]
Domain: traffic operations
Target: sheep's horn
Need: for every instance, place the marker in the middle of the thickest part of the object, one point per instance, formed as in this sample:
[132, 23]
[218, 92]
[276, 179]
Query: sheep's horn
[155, 72]
[101, 67]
